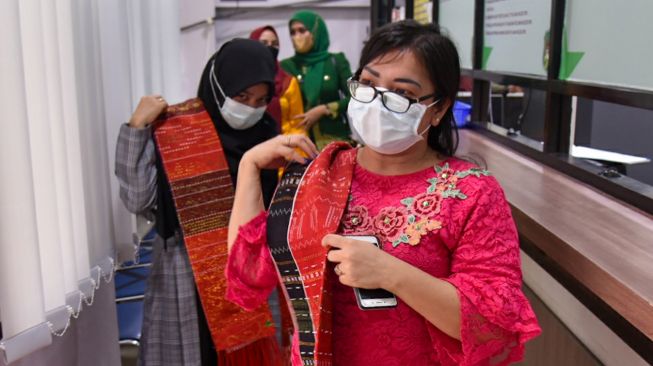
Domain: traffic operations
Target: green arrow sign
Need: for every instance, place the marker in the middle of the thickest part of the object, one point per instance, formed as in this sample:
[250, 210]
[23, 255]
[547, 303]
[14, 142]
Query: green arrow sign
[486, 55]
[569, 60]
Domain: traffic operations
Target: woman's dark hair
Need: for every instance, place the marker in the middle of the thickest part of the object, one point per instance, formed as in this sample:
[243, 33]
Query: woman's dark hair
[438, 54]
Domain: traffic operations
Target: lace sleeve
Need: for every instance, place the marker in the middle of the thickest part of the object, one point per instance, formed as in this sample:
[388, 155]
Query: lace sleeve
[251, 273]
[496, 317]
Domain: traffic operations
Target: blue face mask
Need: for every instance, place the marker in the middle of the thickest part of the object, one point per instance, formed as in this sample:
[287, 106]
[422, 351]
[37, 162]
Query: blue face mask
[237, 115]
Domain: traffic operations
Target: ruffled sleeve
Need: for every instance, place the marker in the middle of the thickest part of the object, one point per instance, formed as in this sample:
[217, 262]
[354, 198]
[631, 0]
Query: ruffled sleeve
[251, 274]
[496, 317]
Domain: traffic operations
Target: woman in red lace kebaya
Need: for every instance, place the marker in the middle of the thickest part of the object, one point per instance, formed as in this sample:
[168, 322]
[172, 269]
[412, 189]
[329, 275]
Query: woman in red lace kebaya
[449, 248]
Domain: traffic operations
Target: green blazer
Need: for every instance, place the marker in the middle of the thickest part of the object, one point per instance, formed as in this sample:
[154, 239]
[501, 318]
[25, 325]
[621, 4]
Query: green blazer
[332, 92]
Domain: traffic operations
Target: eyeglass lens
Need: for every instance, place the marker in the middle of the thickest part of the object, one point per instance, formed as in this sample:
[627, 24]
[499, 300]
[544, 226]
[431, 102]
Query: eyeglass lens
[391, 100]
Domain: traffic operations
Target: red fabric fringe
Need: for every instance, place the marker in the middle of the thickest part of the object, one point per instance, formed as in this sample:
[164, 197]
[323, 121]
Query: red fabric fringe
[263, 352]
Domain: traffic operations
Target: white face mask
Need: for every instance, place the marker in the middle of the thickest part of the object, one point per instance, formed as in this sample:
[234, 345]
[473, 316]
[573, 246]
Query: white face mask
[384, 131]
[237, 115]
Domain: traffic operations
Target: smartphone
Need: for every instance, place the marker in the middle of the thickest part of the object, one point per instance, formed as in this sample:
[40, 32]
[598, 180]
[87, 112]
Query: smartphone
[371, 299]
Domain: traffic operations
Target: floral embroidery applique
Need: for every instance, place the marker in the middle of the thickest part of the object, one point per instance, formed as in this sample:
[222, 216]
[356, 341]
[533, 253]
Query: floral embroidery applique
[391, 223]
[415, 218]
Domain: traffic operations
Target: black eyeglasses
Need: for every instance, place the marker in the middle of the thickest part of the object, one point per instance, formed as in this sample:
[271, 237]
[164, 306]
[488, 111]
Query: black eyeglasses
[394, 102]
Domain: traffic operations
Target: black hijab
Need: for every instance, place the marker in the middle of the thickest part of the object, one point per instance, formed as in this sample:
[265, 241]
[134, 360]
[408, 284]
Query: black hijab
[238, 64]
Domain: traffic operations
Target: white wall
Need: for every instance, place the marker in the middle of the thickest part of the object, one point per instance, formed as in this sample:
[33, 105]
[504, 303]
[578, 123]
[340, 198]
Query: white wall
[197, 43]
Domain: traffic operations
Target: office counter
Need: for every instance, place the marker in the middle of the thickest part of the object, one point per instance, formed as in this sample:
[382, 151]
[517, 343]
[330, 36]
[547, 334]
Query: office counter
[599, 249]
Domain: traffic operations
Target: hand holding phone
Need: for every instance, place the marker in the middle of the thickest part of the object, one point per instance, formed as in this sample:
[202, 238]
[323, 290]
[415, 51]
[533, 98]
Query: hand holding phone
[370, 299]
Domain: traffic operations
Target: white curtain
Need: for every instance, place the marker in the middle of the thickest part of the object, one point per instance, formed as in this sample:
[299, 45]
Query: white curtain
[18, 239]
[139, 52]
[197, 43]
[72, 71]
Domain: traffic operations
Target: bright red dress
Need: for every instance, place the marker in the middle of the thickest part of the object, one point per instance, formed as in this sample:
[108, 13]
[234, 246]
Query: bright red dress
[451, 221]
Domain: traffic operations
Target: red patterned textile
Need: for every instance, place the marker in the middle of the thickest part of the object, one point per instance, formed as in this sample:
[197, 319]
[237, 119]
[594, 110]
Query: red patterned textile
[319, 205]
[197, 171]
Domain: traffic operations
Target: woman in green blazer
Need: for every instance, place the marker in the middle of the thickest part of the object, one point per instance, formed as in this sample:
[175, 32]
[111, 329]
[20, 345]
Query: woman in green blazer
[322, 78]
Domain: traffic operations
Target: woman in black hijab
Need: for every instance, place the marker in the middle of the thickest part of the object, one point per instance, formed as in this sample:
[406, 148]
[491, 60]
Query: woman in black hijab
[234, 78]
[236, 85]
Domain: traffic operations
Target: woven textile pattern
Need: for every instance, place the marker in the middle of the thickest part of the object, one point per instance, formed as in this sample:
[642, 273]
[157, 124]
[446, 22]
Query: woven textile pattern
[319, 205]
[277, 233]
[197, 170]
